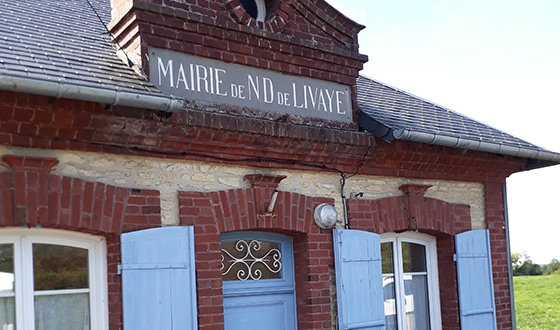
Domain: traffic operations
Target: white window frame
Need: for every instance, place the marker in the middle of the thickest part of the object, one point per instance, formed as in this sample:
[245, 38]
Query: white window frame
[430, 243]
[22, 239]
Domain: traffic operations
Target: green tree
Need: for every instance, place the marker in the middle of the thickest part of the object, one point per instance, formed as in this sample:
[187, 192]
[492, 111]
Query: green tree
[522, 265]
[552, 268]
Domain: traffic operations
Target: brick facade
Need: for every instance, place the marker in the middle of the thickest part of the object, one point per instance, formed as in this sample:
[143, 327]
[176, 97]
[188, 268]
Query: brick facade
[35, 122]
[75, 204]
[261, 154]
[99, 208]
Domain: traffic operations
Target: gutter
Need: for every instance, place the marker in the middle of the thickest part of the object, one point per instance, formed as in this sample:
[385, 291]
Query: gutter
[496, 148]
[59, 89]
[510, 268]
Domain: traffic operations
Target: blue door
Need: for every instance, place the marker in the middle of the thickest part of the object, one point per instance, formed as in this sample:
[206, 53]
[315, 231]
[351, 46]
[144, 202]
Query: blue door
[258, 281]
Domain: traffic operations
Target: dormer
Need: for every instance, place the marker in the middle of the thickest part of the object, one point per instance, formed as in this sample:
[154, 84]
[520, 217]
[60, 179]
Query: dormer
[295, 60]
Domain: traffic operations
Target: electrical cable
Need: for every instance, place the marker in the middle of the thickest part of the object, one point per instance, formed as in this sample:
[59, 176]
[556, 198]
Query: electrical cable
[343, 175]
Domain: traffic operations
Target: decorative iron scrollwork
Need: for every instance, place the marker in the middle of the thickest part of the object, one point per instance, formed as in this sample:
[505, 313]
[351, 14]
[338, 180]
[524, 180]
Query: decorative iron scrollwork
[251, 260]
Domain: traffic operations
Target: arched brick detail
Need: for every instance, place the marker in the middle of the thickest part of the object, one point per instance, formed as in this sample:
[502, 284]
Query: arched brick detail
[277, 16]
[214, 213]
[411, 211]
[414, 211]
[33, 197]
[30, 195]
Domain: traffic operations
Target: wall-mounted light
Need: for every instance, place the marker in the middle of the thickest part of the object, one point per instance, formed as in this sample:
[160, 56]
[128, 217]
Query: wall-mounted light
[325, 216]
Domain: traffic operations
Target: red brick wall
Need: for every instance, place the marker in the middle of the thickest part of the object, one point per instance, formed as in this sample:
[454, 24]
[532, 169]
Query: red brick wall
[36, 122]
[304, 38]
[75, 204]
[215, 213]
[448, 289]
[496, 224]
[31, 121]
[6, 196]
[32, 197]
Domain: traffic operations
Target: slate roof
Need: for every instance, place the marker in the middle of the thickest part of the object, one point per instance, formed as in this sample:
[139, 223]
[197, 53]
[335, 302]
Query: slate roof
[390, 114]
[65, 46]
[399, 110]
[65, 43]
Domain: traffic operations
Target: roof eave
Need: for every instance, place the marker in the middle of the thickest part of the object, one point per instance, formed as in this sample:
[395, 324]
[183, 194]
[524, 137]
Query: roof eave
[59, 89]
[537, 157]
[378, 129]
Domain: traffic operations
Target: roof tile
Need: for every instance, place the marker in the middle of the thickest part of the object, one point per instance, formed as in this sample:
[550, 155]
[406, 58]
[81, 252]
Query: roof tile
[64, 41]
[399, 110]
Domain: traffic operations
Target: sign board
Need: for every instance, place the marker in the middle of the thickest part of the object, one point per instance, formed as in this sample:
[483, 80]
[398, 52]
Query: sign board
[204, 79]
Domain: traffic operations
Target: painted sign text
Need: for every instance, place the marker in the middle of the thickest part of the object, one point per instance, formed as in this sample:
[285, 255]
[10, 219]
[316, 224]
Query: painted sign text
[205, 79]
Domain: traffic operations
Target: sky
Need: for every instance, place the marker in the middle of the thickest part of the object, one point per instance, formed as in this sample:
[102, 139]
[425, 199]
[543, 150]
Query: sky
[497, 62]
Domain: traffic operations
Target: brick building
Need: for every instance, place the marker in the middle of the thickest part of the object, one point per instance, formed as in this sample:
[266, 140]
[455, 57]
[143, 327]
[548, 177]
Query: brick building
[221, 164]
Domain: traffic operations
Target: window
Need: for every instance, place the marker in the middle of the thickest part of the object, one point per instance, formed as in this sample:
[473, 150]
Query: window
[410, 285]
[251, 260]
[255, 8]
[52, 279]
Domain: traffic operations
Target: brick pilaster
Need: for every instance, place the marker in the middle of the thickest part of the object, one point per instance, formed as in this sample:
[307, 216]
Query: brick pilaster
[30, 181]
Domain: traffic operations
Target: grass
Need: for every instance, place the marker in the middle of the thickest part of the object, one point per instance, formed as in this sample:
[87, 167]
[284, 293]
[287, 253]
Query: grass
[537, 302]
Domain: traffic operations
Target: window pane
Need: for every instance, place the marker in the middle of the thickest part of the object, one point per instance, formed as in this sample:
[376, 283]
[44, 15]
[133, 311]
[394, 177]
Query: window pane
[7, 313]
[7, 301]
[62, 312]
[414, 257]
[387, 258]
[57, 267]
[251, 260]
[250, 7]
[389, 302]
[416, 302]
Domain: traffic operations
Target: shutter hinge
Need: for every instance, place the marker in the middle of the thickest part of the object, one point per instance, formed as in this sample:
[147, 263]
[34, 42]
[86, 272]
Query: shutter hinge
[119, 269]
[455, 257]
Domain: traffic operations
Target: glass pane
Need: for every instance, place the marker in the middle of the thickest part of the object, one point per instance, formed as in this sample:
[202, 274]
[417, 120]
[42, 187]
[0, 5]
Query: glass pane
[387, 258]
[414, 257]
[57, 267]
[7, 300]
[416, 302]
[62, 312]
[389, 302]
[7, 313]
[251, 260]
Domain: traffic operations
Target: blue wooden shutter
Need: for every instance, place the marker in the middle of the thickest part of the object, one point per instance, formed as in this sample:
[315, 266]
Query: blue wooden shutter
[359, 285]
[158, 279]
[474, 274]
